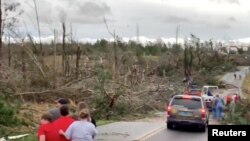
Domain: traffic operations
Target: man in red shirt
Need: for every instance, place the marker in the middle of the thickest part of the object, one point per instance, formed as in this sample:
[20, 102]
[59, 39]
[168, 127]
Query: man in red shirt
[228, 99]
[64, 121]
[47, 130]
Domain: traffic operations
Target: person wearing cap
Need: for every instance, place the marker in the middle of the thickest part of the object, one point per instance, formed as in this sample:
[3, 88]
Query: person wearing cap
[55, 112]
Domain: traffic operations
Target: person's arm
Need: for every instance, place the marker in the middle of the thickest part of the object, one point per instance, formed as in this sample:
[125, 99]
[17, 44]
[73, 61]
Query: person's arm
[93, 131]
[93, 121]
[42, 138]
[41, 134]
[69, 131]
[61, 132]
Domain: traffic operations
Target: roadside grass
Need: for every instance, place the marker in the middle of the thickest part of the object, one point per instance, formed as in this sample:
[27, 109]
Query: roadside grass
[104, 122]
[242, 113]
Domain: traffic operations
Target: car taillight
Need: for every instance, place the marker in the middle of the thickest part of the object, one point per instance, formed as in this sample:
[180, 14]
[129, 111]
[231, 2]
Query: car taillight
[203, 113]
[169, 109]
[187, 97]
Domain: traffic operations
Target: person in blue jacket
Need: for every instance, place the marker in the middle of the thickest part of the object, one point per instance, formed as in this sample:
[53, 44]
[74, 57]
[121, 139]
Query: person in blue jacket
[219, 107]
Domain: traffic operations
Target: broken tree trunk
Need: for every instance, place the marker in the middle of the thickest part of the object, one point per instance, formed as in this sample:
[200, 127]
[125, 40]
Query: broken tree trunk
[9, 52]
[78, 56]
[55, 42]
[63, 48]
[23, 63]
[34, 59]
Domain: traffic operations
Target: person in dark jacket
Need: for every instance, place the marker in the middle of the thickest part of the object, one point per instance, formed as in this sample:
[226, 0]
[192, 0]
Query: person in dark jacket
[55, 112]
[209, 93]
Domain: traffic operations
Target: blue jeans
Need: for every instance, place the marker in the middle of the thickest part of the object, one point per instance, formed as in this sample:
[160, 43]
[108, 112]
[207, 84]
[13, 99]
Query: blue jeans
[218, 111]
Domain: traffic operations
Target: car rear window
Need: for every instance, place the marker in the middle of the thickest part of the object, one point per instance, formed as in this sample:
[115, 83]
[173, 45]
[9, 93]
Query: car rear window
[188, 103]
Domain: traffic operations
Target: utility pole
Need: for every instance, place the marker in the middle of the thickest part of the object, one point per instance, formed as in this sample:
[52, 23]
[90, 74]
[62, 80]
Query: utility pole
[55, 45]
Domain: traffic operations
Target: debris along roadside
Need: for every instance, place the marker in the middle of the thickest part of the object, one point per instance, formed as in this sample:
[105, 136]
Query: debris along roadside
[14, 137]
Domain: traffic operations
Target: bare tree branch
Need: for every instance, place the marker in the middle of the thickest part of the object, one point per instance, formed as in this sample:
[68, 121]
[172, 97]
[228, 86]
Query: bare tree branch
[38, 26]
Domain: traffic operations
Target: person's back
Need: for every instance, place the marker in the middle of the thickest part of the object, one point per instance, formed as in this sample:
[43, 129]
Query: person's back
[81, 131]
[220, 102]
[237, 98]
[47, 130]
[64, 121]
[209, 93]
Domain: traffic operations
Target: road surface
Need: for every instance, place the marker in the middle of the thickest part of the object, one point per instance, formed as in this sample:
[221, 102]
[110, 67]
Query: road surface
[179, 135]
[229, 78]
[155, 130]
[189, 135]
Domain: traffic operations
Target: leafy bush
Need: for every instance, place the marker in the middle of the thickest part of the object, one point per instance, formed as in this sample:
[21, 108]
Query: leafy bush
[122, 107]
[241, 116]
[8, 116]
[212, 81]
[167, 68]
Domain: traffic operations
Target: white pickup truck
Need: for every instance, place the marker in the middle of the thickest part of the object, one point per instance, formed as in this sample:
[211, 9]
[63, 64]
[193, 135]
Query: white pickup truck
[214, 90]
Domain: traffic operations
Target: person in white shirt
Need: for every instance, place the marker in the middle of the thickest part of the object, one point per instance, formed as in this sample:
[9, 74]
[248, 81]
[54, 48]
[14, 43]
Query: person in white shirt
[82, 130]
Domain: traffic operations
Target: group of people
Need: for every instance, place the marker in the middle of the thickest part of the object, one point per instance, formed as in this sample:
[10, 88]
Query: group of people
[218, 105]
[61, 125]
[235, 76]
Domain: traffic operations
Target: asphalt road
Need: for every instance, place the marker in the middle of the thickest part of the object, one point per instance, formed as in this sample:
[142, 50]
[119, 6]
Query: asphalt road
[179, 135]
[229, 78]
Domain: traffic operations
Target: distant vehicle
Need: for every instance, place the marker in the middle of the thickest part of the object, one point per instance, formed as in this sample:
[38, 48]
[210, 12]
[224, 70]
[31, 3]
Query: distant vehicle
[187, 110]
[195, 92]
[209, 93]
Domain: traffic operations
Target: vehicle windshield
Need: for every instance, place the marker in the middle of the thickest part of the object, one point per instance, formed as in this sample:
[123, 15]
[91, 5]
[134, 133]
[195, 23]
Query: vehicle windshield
[187, 103]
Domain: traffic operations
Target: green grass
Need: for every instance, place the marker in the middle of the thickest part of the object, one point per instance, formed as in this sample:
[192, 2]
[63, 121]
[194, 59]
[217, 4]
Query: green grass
[104, 122]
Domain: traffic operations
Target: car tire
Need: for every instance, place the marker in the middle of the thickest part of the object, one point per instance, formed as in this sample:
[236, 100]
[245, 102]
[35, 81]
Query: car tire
[169, 125]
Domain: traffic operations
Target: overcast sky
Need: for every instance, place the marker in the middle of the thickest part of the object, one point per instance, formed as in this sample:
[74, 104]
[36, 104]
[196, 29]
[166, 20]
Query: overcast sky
[217, 19]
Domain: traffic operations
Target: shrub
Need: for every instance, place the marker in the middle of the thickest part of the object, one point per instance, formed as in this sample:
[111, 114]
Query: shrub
[167, 68]
[241, 115]
[8, 116]
[122, 107]
[212, 81]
